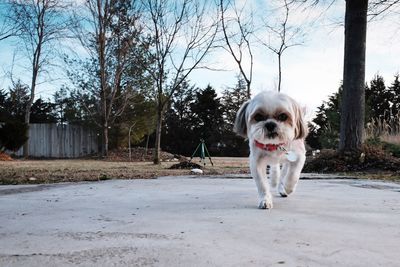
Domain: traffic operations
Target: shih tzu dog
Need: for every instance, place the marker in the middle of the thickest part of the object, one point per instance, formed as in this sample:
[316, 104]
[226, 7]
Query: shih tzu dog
[275, 126]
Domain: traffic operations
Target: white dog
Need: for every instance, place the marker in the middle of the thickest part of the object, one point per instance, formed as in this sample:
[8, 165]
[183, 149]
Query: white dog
[275, 126]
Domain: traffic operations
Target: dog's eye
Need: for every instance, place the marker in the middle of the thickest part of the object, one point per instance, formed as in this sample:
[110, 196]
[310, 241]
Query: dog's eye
[259, 117]
[282, 117]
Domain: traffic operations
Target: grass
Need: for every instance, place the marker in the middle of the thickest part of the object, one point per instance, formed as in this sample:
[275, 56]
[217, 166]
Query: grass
[385, 133]
[55, 171]
[391, 139]
[384, 176]
[385, 130]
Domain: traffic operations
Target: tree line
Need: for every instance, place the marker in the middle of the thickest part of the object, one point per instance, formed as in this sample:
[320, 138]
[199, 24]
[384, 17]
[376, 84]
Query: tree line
[119, 51]
[382, 107]
[193, 114]
[132, 50]
[130, 58]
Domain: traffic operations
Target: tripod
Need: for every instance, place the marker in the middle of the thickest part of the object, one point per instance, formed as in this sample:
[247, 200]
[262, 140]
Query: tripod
[203, 152]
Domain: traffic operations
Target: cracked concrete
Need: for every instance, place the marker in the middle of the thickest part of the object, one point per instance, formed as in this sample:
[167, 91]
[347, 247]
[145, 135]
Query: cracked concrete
[199, 221]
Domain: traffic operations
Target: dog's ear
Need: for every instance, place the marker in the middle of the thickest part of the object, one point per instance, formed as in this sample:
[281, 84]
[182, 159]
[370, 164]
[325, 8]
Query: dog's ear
[240, 126]
[301, 127]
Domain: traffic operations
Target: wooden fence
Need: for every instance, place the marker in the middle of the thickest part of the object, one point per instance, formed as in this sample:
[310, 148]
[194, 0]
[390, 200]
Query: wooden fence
[60, 141]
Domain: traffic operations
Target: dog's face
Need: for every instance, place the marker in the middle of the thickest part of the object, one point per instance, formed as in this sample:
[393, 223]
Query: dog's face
[271, 118]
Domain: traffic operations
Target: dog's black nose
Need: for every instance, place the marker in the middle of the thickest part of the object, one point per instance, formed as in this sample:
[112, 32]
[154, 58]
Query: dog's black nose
[270, 126]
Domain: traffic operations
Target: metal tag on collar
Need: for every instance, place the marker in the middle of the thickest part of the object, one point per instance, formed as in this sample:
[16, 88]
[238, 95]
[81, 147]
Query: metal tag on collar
[290, 155]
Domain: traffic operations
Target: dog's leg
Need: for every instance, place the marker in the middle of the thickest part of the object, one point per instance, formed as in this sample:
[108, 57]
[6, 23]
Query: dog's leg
[274, 174]
[259, 174]
[291, 176]
[284, 173]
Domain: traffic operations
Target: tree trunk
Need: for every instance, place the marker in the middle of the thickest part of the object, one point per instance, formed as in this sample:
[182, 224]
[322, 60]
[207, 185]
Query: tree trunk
[353, 101]
[27, 120]
[279, 71]
[29, 105]
[248, 84]
[147, 143]
[157, 146]
[105, 140]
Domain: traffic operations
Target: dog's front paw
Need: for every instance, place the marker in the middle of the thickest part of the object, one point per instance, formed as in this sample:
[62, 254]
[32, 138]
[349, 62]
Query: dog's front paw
[282, 190]
[265, 204]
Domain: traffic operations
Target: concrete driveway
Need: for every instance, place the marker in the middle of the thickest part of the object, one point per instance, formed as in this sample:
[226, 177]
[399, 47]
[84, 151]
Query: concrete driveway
[208, 221]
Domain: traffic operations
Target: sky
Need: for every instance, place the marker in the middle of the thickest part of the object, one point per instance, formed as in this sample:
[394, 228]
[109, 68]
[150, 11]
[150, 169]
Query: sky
[311, 72]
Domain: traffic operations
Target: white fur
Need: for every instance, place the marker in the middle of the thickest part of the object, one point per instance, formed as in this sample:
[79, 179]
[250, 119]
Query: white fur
[290, 133]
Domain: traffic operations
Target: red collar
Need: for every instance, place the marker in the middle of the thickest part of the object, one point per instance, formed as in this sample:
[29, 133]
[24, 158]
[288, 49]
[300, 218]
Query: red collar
[268, 147]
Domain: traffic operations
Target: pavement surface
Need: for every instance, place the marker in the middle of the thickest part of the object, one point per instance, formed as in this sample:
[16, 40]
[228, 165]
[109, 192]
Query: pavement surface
[207, 221]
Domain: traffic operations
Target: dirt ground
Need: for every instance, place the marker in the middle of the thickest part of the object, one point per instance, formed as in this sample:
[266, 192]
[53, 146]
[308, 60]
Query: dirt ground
[55, 171]
[372, 162]
[375, 164]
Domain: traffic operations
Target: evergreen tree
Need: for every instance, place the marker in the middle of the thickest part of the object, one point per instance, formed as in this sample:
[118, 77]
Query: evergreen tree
[326, 123]
[13, 135]
[17, 100]
[13, 105]
[4, 114]
[208, 119]
[141, 114]
[69, 109]
[378, 100]
[178, 132]
[43, 112]
[395, 92]
[232, 99]
[312, 138]
[382, 104]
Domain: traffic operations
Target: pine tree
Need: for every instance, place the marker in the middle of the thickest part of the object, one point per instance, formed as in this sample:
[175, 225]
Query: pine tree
[4, 114]
[17, 100]
[68, 108]
[13, 105]
[231, 100]
[326, 123]
[381, 104]
[395, 92]
[208, 119]
[178, 131]
[378, 100]
[13, 135]
[43, 112]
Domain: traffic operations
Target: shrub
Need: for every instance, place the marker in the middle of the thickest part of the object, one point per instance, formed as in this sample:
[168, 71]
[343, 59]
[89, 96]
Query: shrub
[13, 135]
[392, 148]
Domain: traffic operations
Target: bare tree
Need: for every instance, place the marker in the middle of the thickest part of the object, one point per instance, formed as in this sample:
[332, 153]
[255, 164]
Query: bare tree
[282, 36]
[377, 8]
[184, 32]
[353, 99]
[40, 24]
[7, 28]
[238, 31]
[109, 30]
